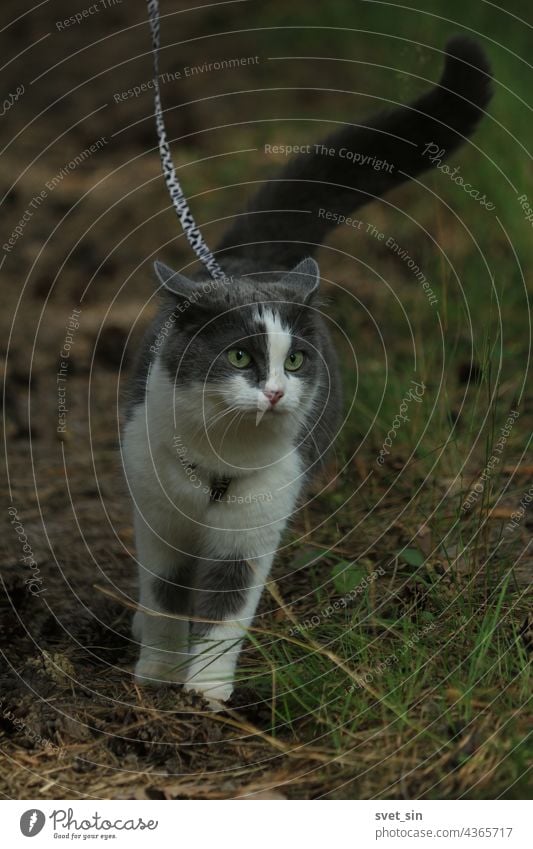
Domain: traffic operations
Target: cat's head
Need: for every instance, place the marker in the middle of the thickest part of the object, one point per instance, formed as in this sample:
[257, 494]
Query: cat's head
[246, 349]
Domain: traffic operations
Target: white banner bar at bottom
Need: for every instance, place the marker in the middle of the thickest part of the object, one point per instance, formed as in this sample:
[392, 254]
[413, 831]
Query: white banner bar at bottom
[262, 823]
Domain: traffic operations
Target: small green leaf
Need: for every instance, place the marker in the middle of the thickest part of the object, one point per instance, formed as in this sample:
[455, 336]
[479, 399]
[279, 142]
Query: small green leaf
[307, 558]
[347, 576]
[412, 556]
[427, 616]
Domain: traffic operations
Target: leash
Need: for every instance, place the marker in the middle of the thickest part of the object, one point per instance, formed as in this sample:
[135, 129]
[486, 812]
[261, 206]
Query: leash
[179, 201]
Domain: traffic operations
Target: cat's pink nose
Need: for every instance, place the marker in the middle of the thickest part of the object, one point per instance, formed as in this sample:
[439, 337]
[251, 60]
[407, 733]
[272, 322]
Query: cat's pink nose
[273, 395]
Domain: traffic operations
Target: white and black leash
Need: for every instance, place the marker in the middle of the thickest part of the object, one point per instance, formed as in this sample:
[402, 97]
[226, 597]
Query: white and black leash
[179, 201]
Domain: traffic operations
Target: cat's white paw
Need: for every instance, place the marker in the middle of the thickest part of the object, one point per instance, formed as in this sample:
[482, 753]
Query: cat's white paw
[216, 693]
[150, 672]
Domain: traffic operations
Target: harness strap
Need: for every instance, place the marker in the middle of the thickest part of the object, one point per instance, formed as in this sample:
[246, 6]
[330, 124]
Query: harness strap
[217, 487]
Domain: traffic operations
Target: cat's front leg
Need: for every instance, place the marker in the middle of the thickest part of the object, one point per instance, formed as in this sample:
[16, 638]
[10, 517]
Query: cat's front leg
[161, 624]
[240, 538]
[225, 599]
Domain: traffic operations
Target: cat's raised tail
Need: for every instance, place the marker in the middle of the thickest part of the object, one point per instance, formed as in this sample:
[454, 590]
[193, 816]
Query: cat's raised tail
[291, 214]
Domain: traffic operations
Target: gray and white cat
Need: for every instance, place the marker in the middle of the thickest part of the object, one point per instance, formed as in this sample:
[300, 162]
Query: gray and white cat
[235, 398]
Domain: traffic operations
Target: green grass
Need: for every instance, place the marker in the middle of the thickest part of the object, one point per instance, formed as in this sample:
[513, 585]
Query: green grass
[438, 681]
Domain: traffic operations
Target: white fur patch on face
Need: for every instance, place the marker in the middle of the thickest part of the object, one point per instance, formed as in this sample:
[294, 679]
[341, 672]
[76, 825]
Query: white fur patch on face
[279, 344]
[279, 340]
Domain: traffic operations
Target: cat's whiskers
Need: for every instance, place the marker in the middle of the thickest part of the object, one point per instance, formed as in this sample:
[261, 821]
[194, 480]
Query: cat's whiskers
[212, 423]
[318, 424]
[203, 426]
[239, 413]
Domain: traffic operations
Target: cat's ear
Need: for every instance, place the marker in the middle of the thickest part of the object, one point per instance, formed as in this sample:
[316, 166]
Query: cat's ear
[175, 282]
[304, 279]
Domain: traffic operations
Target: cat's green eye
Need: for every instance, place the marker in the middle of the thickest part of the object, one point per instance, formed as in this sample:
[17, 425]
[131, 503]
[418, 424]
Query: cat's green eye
[294, 361]
[239, 358]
